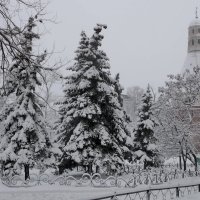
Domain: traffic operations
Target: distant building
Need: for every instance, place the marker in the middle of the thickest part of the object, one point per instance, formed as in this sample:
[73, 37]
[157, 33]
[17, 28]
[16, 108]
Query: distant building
[193, 59]
[193, 56]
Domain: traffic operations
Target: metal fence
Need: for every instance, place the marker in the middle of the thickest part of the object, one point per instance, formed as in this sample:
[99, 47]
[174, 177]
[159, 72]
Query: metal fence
[136, 168]
[98, 180]
[153, 193]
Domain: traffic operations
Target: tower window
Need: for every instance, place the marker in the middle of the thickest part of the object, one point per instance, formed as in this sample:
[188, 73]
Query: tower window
[192, 42]
[198, 41]
[193, 31]
[198, 30]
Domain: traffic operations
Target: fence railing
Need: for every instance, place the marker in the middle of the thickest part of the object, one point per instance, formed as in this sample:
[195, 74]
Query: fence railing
[98, 180]
[136, 168]
[158, 192]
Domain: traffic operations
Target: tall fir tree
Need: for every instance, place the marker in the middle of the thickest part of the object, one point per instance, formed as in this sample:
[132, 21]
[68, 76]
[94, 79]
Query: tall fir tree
[92, 131]
[24, 140]
[118, 90]
[145, 149]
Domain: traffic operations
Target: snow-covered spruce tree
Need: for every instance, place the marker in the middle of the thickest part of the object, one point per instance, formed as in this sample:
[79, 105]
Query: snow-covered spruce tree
[92, 131]
[24, 140]
[118, 89]
[145, 149]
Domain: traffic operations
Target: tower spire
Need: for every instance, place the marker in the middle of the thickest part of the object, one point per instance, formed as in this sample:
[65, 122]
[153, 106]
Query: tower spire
[197, 13]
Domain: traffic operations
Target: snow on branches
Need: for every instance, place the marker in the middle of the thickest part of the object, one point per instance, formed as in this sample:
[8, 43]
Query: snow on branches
[178, 125]
[145, 149]
[24, 140]
[92, 129]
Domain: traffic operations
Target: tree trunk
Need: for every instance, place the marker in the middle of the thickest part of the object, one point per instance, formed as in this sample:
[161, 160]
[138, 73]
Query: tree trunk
[195, 162]
[2, 168]
[108, 169]
[97, 169]
[184, 157]
[184, 165]
[180, 163]
[90, 168]
[184, 162]
[145, 165]
[26, 171]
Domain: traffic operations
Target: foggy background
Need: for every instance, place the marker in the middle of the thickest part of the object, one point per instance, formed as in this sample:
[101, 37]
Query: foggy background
[145, 39]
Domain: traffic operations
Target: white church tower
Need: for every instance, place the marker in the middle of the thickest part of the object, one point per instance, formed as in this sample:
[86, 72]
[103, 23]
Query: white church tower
[193, 56]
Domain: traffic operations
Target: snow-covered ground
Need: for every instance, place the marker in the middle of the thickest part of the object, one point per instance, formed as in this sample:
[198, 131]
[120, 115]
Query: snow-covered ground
[192, 197]
[52, 192]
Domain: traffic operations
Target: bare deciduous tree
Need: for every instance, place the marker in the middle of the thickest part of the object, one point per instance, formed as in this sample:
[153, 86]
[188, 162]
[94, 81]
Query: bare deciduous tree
[12, 28]
[177, 127]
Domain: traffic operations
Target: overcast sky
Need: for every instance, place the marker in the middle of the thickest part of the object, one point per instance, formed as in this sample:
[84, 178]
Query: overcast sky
[145, 39]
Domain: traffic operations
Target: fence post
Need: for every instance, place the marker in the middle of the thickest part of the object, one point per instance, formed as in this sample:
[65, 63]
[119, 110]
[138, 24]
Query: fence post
[135, 184]
[148, 194]
[177, 192]
[116, 180]
[147, 180]
[175, 174]
[156, 179]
